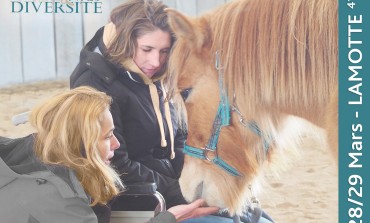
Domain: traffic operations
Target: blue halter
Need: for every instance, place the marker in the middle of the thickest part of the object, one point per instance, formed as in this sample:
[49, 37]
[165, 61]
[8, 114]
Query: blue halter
[222, 119]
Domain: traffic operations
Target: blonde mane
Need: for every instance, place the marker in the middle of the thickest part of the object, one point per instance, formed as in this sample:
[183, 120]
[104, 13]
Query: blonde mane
[286, 50]
[276, 53]
[279, 58]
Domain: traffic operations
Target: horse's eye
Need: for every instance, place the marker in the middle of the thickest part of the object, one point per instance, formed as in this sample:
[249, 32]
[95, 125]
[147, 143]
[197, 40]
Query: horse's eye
[185, 93]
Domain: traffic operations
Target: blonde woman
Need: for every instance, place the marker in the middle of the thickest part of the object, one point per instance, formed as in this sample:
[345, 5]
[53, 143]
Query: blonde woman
[58, 173]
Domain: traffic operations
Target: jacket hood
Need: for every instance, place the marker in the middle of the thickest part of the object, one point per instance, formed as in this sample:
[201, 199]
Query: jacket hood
[17, 158]
[17, 155]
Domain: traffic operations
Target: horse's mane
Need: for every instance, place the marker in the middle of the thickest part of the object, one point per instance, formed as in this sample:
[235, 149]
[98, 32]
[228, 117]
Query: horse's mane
[278, 56]
[277, 52]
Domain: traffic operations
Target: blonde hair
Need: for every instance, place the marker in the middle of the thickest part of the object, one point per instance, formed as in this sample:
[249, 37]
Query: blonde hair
[68, 127]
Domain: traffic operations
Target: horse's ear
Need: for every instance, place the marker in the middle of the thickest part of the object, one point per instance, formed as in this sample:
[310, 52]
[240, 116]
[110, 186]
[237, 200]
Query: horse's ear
[194, 32]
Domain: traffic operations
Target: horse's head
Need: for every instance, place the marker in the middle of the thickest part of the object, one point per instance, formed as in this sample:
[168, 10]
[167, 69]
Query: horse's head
[197, 77]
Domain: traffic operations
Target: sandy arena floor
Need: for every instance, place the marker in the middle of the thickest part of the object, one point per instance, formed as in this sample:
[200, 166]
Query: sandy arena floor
[306, 193]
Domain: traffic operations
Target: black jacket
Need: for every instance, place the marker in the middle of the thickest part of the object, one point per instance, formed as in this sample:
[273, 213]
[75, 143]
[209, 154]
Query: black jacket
[140, 157]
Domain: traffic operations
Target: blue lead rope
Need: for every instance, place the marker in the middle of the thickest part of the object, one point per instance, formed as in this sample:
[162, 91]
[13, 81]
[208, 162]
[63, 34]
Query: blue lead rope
[252, 125]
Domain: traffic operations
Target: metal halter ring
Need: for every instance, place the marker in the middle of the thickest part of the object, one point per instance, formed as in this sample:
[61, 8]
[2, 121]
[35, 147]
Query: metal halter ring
[210, 154]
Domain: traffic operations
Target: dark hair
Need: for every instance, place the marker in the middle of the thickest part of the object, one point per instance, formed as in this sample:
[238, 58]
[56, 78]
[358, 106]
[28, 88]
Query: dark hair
[133, 19]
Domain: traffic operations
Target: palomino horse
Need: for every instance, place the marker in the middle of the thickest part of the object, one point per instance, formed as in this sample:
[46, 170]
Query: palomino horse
[274, 58]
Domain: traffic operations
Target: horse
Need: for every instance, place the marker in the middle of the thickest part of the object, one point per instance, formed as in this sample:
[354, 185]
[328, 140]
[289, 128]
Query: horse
[244, 69]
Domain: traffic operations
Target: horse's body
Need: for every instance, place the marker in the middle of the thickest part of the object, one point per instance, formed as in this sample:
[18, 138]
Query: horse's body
[279, 58]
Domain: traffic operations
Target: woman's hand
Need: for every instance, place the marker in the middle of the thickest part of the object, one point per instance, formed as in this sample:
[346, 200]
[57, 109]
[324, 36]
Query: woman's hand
[192, 210]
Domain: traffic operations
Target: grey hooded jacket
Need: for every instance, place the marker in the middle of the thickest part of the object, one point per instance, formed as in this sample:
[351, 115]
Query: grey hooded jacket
[32, 192]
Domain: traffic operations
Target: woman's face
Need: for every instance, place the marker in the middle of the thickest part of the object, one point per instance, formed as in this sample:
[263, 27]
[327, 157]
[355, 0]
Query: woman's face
[152, 51]
[107, 141]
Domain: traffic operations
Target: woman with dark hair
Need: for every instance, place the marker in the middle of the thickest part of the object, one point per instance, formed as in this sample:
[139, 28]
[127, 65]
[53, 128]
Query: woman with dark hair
[127, 59]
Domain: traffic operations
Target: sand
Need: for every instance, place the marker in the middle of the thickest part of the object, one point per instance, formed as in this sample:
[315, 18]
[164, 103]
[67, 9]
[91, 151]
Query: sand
[305, 193]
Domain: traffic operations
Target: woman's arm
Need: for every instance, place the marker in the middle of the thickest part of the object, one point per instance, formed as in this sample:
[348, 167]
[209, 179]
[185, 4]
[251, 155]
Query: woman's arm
[183, 212]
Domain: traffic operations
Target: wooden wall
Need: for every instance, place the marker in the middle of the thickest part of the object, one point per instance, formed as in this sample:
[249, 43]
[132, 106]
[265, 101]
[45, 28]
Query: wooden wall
[45, 46]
